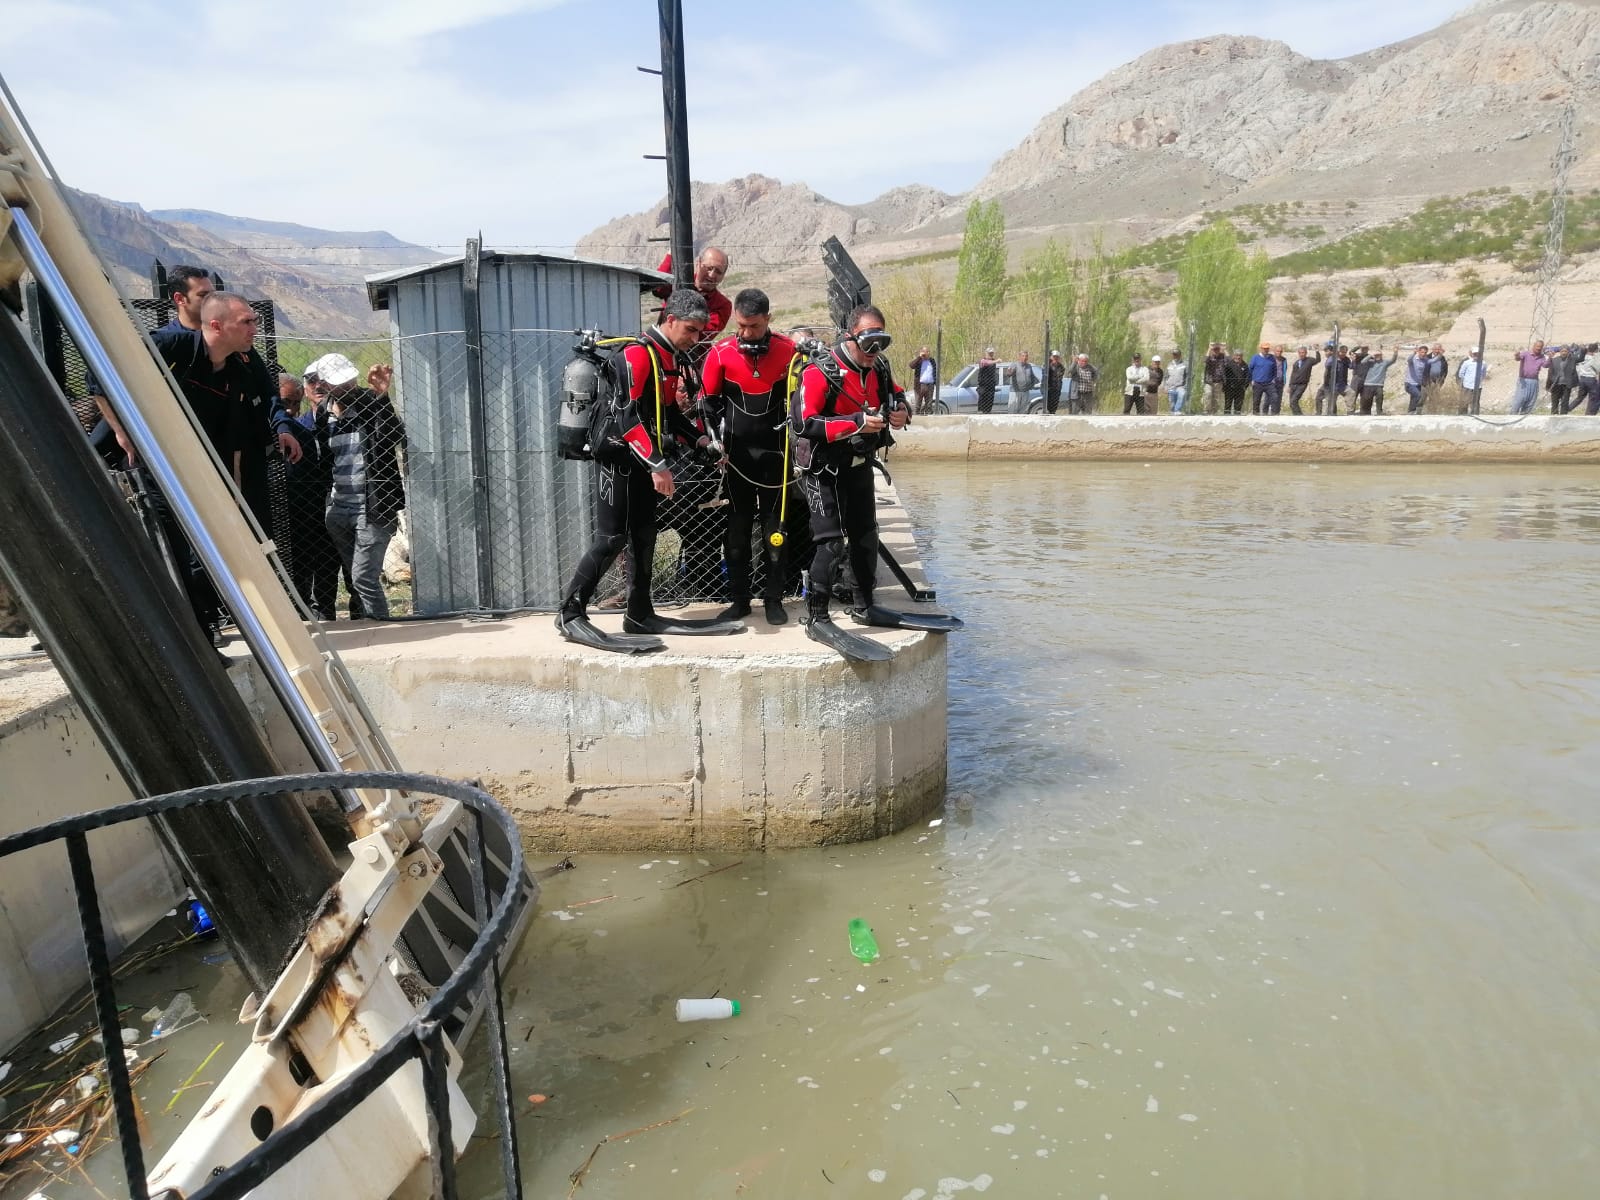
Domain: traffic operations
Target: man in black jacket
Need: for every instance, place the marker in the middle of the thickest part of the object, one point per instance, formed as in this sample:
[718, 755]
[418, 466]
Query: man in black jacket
[1300, 378]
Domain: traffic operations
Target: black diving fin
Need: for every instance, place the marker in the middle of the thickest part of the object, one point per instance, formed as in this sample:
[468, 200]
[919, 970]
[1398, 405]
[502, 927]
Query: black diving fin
[890, 618]
[585, 633]
[852, 645]
[683, 626]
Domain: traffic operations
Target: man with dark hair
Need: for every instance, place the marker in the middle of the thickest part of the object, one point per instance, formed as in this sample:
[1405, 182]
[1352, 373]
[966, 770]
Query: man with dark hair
[365, 438]
[848, 401]
[313, 558]
[1211, 373]
[1335, 379]
[187, 288]
[630, 448]
[1055, 371]
[746, 381]
[1263, 371]
[987, 380]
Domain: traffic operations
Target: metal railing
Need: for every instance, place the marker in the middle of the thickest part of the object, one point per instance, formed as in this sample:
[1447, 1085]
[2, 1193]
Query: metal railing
[423, 1038]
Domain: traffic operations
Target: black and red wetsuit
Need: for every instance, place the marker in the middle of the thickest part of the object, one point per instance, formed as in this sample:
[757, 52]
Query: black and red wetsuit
[838, 482]
[625, 495]
[746, 402]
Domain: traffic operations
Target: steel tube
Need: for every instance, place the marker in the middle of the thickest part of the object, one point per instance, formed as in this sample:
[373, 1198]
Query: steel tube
[156, 693]
[188, 517]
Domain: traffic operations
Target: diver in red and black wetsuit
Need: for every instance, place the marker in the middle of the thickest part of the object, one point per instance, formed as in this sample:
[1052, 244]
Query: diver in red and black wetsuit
[746, 380]
[848, 403]
[631, 471]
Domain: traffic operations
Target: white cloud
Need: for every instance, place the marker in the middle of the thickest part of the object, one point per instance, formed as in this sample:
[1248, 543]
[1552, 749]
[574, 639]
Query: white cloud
[526, 117]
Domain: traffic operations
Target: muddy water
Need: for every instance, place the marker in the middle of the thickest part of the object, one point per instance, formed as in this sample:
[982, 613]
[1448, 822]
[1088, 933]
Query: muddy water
[1271, 868]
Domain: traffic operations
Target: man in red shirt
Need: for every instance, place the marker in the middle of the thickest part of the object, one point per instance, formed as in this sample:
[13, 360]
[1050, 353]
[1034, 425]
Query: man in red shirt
[631, 472]
[746, 384]
[709, 269]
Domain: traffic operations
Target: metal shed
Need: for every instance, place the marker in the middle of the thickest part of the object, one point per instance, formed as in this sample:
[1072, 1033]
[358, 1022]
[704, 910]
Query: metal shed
[478, 343]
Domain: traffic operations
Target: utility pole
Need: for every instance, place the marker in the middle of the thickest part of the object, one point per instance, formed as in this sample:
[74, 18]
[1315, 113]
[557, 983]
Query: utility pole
[674, 109]
[1544, 291]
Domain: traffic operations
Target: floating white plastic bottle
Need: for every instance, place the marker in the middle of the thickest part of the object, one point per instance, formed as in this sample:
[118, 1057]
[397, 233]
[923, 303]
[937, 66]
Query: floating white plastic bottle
[707, 1010]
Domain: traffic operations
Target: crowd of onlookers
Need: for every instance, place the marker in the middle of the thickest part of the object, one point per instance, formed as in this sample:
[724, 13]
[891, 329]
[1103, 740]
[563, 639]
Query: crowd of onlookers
[1327, 380]
[341, 446]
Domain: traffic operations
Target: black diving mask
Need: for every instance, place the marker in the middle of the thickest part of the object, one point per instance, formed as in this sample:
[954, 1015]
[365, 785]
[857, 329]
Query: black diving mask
[872, 341]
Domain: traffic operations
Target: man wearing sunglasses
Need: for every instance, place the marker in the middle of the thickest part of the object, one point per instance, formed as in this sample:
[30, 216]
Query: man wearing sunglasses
[848, 401]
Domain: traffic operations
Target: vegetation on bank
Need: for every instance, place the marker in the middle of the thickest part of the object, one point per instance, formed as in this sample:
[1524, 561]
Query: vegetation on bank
[1089, 299]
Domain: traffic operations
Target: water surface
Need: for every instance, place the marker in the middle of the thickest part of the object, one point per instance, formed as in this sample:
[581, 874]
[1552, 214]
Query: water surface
[1269, 870]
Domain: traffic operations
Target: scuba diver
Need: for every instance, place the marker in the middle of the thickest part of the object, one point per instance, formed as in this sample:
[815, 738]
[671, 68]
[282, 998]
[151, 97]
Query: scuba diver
[747, 380]
[846, 405]
[630, 440]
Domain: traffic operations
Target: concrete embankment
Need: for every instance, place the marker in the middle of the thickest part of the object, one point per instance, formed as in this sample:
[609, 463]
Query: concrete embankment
[1569, 439]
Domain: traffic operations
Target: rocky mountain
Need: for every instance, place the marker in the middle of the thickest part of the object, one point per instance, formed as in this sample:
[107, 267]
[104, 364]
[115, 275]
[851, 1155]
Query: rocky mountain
[1221, 121]
[315, 277]
[341, 256]
[764, 222]
[1472, 103]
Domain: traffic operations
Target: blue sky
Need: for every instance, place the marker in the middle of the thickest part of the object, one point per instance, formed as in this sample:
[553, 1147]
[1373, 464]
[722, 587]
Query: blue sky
[527, 118]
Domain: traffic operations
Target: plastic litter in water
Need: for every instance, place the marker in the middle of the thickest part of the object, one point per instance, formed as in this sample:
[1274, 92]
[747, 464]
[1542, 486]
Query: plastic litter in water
[62, 1045]
[862, 944]
[62, 1137]
[179, 1014]
[707, 1010]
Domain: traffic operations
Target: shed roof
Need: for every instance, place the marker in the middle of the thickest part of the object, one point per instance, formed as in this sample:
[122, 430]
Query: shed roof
[378, 285]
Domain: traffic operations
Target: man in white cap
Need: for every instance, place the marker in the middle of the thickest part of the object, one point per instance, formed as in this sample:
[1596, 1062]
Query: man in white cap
[366, 439]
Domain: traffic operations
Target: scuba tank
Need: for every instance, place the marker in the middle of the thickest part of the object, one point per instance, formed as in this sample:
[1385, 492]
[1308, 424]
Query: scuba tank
[583, 382]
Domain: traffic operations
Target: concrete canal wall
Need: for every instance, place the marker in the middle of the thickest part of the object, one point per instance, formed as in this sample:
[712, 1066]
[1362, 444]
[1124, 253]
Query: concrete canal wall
[1568, 439]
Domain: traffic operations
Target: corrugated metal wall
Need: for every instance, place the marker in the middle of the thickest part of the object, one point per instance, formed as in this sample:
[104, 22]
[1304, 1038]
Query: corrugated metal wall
[540, 505]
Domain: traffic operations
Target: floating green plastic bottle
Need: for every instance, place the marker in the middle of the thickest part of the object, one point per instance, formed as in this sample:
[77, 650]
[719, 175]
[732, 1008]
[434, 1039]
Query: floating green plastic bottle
[862, 944]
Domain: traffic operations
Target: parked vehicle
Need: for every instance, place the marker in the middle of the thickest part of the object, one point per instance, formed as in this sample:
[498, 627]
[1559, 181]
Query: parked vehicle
[961, 396]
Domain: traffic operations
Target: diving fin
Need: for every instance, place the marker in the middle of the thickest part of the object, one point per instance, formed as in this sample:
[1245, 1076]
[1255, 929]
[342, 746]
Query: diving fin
[684, 626]
[852, 645]
[890, 618]
[585, 633]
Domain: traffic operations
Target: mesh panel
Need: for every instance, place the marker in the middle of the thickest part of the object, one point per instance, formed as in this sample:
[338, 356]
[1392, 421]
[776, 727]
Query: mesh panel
[495, 519]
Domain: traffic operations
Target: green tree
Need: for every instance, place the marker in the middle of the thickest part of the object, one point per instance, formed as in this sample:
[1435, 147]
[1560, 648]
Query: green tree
[1221, 289]
[1089, 303]
[981, 266]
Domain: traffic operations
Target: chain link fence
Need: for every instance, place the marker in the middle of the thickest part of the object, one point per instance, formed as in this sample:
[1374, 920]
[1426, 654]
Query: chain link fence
[495, 519]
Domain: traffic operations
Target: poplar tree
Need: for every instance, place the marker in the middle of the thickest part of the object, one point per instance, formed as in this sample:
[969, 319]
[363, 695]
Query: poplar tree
[1222, 290]
[981, 268]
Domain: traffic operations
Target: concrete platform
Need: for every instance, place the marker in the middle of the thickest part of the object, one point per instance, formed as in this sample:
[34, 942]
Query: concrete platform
[756, 740]
[761, 739]
[1495, 437]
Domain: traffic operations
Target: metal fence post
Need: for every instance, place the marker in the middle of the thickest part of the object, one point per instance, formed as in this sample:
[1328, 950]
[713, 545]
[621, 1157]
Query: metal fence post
[1044, 359]
[472, 308]
[1477, 392]
[1188, 376]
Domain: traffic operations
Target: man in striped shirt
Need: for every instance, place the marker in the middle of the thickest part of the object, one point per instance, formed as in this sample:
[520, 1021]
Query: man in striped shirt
[365, 438]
